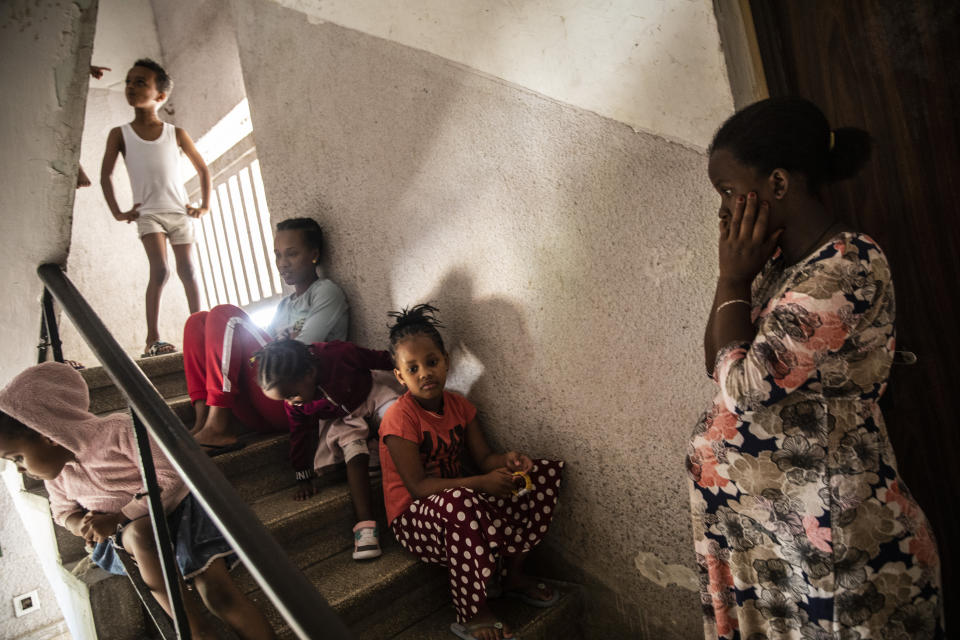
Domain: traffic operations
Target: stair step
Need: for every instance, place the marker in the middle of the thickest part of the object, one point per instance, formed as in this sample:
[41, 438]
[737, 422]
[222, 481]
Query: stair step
[407, 609]
[183, 408]
[165, 372]
[261, 468]
[357, 590]
[530, 623]
[394, 596]
[117, 611]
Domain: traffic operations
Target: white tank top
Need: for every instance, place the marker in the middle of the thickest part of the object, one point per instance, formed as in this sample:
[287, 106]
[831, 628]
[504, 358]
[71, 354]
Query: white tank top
[154, 170]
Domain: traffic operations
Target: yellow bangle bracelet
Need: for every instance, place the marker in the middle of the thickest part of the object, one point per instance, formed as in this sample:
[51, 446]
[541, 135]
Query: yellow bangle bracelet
[527, 483]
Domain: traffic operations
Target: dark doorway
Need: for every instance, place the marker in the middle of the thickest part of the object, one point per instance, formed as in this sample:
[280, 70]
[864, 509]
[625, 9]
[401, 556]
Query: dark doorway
[891, 68]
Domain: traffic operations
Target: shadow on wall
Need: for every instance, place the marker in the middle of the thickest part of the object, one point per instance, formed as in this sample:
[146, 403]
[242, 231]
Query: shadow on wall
[571, 260]
[475, 328]
[377, 114]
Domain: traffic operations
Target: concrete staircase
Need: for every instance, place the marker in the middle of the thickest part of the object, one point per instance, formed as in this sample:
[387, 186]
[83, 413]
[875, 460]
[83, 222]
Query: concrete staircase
[395, 596]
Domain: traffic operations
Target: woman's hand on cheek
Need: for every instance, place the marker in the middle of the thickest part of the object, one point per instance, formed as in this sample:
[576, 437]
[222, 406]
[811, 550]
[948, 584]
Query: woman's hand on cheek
[745, 245]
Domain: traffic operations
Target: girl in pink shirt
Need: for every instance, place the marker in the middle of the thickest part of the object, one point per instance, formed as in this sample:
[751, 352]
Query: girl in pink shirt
[90, 467]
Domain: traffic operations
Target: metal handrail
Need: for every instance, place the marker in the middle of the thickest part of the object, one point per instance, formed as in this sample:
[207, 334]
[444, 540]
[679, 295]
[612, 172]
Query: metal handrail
[49, 334]
[301, 605]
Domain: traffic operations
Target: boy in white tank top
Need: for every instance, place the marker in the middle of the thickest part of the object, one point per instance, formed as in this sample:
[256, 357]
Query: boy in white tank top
[151, 152]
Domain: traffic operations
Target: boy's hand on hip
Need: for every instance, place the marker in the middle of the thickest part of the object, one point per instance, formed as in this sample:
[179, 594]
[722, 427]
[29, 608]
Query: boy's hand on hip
[196, 212]
[98, 527]
[129, 216]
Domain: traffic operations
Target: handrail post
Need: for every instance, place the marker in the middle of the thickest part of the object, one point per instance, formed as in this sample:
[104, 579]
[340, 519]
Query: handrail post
[49, 333]
[161, 532]
[158, 615]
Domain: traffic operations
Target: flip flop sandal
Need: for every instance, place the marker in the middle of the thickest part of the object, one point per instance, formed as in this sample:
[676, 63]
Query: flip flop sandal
[465, 632]
[76, 365]
[214, 450]
[525, 598]
[159, 348]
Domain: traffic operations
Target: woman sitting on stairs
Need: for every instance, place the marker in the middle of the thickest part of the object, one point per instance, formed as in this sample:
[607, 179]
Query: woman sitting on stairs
[218, 344]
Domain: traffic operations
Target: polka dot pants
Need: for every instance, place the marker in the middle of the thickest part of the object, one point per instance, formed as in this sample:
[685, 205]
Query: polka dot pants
[470, 530]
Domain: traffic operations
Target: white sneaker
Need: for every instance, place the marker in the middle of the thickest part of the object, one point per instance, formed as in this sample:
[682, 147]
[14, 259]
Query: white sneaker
[366, 542]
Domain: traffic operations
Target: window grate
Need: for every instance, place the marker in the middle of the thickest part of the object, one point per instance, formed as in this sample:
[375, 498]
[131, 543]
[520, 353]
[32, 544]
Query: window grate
[234, 238]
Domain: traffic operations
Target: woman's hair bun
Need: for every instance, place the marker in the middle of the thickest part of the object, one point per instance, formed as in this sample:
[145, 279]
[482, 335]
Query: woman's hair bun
[851, 150]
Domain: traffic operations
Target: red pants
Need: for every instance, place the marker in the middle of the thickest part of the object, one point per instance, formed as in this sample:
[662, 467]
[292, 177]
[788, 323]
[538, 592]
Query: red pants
[217, 347]
[469, 530]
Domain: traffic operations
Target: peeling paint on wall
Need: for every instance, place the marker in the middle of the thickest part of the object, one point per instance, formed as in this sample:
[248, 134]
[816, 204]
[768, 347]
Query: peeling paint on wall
[59, 167]
[656, 570]
[62, 79]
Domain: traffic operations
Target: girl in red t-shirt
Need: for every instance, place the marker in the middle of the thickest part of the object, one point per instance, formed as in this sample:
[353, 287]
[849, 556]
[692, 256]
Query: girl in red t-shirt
[473, 524]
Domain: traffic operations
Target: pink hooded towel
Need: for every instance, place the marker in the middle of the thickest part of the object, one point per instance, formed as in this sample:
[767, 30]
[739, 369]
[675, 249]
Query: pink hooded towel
[53, 400]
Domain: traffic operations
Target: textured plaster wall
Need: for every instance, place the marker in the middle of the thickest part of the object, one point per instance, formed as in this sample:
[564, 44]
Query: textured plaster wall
[126, 30]
[653, 64]
[200, 52]
[20, 572]
[45, 46]
[107, 261]
[571, 258]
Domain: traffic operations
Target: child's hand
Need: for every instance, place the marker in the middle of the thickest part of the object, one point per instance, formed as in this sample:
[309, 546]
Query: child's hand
[97, 72]
[499, 482]
[98, 527]
[305, 489]
[518, 462]
[129, 216]
[196, 212]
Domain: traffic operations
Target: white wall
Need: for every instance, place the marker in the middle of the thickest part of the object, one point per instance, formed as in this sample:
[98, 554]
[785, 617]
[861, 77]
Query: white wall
[200, 53]
[571, 258]
[655, 65]
[21, 572]
[45, 46]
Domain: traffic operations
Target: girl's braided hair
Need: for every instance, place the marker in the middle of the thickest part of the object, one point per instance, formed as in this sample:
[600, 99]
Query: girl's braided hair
[418, 320]
[282, 361]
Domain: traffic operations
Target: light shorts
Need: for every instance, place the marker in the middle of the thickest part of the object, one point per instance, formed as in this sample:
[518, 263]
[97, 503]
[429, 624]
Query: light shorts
[341, 439]
[177, 226]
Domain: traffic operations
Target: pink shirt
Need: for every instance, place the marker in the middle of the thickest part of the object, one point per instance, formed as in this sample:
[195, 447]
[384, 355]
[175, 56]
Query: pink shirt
[52, 399]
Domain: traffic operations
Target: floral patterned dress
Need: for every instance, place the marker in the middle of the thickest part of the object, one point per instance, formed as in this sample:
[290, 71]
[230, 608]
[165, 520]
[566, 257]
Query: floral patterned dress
[802, 526]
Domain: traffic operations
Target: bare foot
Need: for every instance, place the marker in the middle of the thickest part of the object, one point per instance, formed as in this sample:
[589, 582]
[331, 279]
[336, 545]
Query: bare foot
[200, 410]
[219, 429]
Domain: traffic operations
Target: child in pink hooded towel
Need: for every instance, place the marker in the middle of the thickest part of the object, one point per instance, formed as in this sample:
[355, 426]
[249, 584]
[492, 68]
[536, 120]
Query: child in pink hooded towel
[90, 467]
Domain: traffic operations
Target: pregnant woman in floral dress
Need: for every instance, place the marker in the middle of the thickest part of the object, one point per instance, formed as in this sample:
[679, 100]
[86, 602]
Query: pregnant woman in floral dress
[802, 526]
